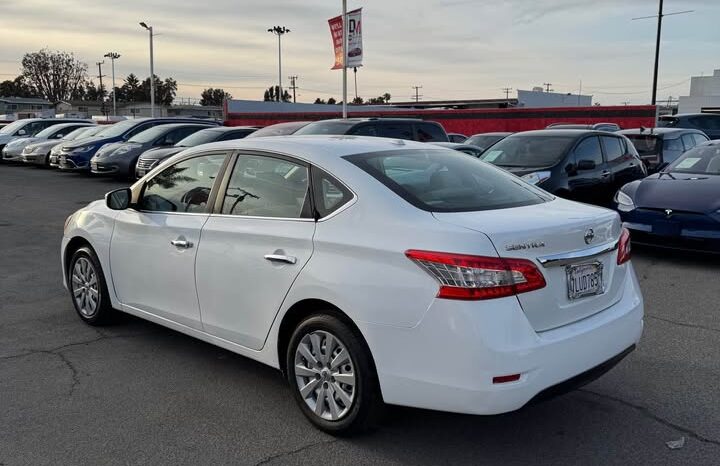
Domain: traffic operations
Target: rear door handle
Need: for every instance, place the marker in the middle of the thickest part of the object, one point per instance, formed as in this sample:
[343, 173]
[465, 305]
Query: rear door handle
[281, 258]
[181, 243]
[605, 173]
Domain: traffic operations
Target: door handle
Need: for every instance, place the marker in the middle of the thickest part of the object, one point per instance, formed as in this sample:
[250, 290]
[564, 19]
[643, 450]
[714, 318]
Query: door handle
[605, 173]
[281, 258]
[181, 243]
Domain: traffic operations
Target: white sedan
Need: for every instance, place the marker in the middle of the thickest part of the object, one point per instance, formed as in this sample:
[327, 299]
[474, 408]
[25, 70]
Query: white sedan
[367, 270]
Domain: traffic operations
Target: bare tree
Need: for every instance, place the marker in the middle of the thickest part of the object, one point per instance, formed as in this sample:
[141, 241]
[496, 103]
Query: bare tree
[56, 75]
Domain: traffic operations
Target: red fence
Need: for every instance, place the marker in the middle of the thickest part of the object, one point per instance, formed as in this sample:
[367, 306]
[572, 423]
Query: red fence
[474, 121]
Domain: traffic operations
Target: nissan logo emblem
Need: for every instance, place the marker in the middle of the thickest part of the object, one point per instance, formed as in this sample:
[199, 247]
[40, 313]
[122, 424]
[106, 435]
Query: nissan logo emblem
[589, 236]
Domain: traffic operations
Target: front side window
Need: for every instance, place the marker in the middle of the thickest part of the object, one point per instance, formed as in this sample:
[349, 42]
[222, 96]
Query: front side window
[613, 148]
[262, 186]
[445, 180]
[699, 138]
[182, 187]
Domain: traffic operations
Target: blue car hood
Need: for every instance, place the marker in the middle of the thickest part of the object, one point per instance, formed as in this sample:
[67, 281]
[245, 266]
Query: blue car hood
[679, 191]
[92, 141]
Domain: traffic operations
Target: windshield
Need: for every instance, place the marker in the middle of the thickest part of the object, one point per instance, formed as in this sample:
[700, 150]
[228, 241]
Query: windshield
[98, 130]
[49, 131]
[326, 127]
[280, 129]
[704, 160]
[150, 134]
[646, 144]
[444, 180]
[118, 129]
[201, 137]
[528, 151]
[14, 126]
[483, 140]
[75, 133]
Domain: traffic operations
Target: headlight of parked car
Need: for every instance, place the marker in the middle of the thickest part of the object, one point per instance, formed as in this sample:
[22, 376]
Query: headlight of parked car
[82, 149]
[120, 150]
[624, 202]
[537, 177]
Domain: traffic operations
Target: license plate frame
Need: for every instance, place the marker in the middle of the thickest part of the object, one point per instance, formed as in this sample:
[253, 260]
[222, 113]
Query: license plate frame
[578, 271]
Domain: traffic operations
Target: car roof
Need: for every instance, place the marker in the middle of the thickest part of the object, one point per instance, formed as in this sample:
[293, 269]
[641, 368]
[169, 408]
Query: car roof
[659, 131]
[564, 132]
[171, 126]
[494, 133]
[373, 119]
[681, 115]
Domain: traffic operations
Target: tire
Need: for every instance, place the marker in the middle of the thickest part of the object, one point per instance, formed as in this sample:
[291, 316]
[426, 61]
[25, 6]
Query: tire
[85, 281]
[349, 405]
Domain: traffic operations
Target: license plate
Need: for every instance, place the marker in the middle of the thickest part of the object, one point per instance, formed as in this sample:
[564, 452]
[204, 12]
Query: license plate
[584, 280]
[140, 172]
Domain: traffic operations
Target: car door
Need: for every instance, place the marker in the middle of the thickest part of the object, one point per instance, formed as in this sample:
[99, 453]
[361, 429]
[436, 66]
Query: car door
[589, 179]
[254, 246]
[621, 162]
[154, 246]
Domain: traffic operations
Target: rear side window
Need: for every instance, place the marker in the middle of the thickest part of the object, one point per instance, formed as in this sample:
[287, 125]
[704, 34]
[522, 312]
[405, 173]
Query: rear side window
[699, 139]
[589, 150]
[365, 130]
[445, 180]
[396, 131]
[328, 192]
[673, 145]
[427, 132]
[688, 141]
[613, 148]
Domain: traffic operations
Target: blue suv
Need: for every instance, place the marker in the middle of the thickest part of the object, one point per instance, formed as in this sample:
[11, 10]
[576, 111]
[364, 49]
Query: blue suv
[77, 156]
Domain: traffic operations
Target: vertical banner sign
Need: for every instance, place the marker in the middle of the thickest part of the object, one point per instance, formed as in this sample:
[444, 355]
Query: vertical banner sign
[355, 48]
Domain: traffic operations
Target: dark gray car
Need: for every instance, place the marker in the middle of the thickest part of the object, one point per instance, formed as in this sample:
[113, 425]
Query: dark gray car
[659, 147]
[119, 159]
[708, 123]
[150, 158]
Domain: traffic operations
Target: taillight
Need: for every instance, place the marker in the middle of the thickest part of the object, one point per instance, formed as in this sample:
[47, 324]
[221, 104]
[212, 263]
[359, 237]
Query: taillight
[624, 247]
[477, 277]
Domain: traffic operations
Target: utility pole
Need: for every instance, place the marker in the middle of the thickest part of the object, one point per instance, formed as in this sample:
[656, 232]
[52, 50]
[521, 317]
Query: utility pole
[102, 93]
[417, 93]
[507, 90]
[293, 86]
[113, 56]
[279, 31]
[547, 87]
[659, 17]
[355, 74]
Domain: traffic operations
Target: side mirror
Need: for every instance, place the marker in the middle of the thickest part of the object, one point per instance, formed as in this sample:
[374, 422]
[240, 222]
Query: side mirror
[118, 199]
[586, 165]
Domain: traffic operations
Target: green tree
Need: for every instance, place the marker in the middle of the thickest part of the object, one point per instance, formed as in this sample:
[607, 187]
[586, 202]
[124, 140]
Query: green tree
[165, 91]
[358, 101]
[332, 101]
[212, 96]
[17, 87]
[55, 75]
[383, 99]
[319, 101]
[131, 90]
[273, 92]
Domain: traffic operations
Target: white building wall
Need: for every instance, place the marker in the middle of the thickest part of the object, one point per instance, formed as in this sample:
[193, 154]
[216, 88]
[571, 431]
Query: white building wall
[704, 93]
[539, 99]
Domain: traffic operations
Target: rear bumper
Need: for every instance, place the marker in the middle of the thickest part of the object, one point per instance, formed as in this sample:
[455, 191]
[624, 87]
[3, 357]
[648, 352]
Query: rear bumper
[449, 360]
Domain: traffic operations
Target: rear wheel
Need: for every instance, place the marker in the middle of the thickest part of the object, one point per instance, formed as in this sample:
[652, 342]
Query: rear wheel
[88, 289]
[332, 376]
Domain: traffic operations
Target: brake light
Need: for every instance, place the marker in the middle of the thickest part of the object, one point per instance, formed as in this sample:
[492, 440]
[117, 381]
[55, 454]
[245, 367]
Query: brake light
[477, 277]
[624, 247]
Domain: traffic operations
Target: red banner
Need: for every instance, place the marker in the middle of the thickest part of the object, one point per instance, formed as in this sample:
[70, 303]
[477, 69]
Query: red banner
[355, 48]
[336, 31]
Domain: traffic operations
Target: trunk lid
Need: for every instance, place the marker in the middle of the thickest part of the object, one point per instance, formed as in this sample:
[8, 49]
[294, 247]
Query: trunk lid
[552, 231]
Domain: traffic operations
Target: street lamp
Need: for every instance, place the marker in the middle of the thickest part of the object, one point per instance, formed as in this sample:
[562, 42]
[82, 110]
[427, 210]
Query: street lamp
[152, 71]
[113, 56]
[279, 31]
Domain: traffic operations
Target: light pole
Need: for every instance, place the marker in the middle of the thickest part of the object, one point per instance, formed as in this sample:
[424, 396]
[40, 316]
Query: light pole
[113, 56]
[152, 71]
[279, 31]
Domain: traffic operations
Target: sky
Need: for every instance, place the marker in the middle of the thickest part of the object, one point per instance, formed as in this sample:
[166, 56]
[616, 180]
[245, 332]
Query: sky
[454, 49]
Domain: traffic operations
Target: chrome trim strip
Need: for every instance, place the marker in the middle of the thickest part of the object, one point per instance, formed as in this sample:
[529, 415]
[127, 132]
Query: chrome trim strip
[565, 258]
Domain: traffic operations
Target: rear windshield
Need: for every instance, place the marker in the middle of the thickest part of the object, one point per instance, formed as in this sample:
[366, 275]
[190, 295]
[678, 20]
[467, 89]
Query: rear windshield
[327, 127]
[483, 141]
[280, 129]
[646, 144]
[444, 180]
[704, 160]
[529, 151]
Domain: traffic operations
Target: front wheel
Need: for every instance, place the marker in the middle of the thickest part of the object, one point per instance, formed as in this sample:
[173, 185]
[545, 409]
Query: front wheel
[88, 290]
[332, 376]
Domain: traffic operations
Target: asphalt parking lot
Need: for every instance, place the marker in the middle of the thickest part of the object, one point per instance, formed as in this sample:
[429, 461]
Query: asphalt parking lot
[137, 393]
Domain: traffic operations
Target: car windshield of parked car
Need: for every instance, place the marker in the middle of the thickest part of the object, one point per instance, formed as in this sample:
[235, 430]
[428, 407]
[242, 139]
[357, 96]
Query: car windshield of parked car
[444, 180]
[201, 137]
[98, 130]
[76, 133]
[646, 144]
[327, 127]
[280, 129]
[528, 151]
[702, 160]
[482, 140]
[13, 127]
[149, 135]
[49, 132]
[120, 128]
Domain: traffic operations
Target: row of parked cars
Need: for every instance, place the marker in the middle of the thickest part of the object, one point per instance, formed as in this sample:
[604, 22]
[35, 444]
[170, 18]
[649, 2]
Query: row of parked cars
[597, 164]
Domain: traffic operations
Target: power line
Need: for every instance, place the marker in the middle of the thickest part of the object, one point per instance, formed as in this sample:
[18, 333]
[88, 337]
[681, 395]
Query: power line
[417, 93]
[293, 86]
[547, 87]
[507, 90]
[100, 90]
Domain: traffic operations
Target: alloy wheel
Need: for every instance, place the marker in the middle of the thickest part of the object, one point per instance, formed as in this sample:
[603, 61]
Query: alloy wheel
[325, 375]
[85, 287]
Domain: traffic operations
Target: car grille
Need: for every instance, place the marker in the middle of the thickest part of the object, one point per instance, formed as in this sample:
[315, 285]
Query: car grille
[146, 164]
